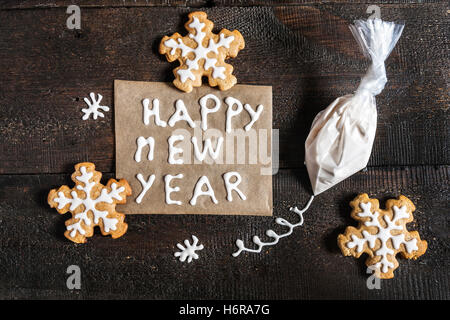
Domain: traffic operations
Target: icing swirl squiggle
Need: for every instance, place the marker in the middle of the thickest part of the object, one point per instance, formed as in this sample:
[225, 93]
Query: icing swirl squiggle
[272, 234]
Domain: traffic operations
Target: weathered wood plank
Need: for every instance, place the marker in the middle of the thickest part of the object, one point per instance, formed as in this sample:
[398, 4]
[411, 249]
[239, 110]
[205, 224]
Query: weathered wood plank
[277, 3]
[305, 52]
[38, 4]
[34, 254]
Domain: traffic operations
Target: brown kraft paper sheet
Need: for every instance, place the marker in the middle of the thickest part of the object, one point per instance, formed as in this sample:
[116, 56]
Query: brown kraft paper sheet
[249, 154]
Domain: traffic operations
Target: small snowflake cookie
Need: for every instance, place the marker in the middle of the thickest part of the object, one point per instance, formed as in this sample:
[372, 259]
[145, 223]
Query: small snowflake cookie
[382, 234]
[91, 204]
[202, 53]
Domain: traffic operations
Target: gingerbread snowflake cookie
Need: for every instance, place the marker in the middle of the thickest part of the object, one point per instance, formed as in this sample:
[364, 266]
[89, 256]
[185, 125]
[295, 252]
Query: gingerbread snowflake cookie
[91, 204]
[382, 234]
[202, 53]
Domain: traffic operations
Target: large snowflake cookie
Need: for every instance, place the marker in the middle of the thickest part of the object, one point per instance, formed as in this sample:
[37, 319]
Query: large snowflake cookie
[91, 204]
[382, 234]
[202, 53]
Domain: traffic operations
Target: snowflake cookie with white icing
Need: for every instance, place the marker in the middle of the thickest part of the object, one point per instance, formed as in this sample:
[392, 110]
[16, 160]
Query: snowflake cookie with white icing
[202, 53]
[382, 234]
[91, 204]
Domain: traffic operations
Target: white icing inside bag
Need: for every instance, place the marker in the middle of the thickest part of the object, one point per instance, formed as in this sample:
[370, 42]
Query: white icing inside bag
[340, 141]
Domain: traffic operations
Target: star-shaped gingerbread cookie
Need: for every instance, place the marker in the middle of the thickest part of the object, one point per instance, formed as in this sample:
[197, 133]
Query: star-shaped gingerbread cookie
[202, 53]
[382, 234]
[91, 204]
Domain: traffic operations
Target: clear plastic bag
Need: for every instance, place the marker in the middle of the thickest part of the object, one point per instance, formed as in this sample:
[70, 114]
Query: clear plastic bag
[340, 141]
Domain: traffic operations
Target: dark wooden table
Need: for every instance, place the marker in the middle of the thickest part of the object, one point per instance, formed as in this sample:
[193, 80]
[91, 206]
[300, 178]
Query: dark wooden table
[306, 52]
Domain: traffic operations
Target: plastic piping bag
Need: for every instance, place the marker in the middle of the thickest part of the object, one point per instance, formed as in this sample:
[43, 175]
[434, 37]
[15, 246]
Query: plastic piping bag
[340, 141]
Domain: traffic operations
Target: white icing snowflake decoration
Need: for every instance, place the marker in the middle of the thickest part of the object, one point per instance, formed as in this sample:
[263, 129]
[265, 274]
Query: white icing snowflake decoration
[188, 251]
[384, 235]
[91, 204]
[202, 53]
[94, 107]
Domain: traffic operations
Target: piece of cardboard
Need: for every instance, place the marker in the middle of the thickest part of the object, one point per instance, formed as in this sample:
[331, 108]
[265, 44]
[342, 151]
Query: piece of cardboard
[129, 125]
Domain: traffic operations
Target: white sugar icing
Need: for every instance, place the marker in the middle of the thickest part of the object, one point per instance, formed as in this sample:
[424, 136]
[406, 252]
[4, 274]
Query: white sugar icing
[230, 186]
[180, 114]
[174, 150]
[89, 204]
[200, 52]
[230, 101]
[167, 179]
[272, 234]
[94, 107]
[253, 114]
[199, 192]
[383, 235]
[205, 110]
[341, 137]
[188, 251]
[146, 185]
[200, 156]
[148, 113]
[141, 143]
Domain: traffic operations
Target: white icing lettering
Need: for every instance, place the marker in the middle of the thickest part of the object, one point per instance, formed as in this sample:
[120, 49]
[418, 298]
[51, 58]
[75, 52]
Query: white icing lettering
[230, 101]
[174, 150]
[207, 148]
[169, 189]
[152, 112]
[199, 192]
[205, 110]
[181, 113]
[145, 185]
[141, 143]
[230, 186]
[253, 114]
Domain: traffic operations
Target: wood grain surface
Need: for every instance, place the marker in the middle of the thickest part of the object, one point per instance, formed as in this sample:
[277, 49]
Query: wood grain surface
[305, 50]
